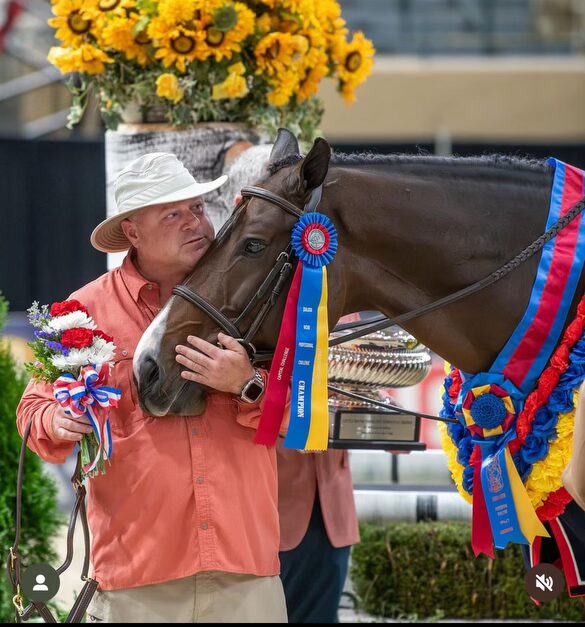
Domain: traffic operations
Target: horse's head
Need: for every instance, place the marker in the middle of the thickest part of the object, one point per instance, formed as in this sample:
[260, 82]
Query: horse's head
[227, 278]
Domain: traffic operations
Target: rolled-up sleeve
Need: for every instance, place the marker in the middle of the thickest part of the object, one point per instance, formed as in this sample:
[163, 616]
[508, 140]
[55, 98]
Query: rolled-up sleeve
[39, 406]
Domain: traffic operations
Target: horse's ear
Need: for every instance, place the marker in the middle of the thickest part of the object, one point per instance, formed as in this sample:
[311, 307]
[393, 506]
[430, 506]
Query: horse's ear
[286, 144]
[314, 167]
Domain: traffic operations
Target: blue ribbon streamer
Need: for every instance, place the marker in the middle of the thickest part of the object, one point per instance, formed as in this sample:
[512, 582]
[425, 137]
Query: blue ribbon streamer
[305, 351]
[497, 489]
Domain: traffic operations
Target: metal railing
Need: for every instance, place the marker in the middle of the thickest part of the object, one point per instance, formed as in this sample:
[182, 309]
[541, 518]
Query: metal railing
[482, 27]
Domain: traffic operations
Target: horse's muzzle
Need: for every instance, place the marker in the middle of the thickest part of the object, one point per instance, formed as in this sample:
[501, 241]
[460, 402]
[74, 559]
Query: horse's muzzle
[157, 398]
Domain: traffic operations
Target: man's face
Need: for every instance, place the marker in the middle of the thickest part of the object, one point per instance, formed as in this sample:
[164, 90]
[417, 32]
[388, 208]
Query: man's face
[172, 235]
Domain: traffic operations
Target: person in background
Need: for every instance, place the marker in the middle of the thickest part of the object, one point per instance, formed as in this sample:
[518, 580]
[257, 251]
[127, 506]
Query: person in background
[318, 519]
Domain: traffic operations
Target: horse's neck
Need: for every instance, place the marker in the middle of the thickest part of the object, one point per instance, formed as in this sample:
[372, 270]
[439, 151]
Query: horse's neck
[413, 235]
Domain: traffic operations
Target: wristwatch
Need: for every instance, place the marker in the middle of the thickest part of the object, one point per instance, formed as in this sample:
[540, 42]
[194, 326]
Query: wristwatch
[253, 389]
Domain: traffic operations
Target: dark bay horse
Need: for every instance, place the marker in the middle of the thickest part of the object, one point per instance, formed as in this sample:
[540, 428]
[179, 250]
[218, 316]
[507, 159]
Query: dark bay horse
[411, 230]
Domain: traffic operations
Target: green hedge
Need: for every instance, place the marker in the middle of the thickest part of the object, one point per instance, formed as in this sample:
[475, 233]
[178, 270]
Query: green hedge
[40, 516]
[428, 570]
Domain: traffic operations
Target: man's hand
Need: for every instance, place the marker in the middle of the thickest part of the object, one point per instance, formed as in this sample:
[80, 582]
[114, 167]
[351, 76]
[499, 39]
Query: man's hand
[225, 370]
[70, 429]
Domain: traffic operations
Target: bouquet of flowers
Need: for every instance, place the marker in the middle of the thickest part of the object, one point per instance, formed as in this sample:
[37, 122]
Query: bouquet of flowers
[254, 61]
[76, 357]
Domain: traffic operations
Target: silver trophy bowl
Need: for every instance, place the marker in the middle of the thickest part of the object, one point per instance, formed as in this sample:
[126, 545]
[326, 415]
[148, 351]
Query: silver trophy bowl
[390, 358]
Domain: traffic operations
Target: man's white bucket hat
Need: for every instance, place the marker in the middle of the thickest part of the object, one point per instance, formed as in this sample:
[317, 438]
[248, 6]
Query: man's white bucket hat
[157, 177]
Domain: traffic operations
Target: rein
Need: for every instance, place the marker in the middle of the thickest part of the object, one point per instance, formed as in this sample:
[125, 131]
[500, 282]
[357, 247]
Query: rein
[271, 287]
[82, 601]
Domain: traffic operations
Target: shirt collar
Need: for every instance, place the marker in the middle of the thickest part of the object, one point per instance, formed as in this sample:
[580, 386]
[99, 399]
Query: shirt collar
[131, 276]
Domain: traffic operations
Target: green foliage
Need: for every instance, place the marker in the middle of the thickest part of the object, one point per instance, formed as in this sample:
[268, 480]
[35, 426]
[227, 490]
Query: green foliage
[427, 570]
[124, 83]
[40, 517]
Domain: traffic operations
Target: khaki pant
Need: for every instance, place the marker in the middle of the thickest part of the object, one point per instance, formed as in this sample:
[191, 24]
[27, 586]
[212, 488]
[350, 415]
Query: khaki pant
[213, 597]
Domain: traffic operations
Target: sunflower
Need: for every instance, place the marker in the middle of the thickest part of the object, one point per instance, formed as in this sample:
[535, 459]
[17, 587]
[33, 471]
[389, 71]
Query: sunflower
[316, 68]
[86, 59]
[227, 28]
[119, 34]
[176, 44]
[177, 11]
[73, 21]
[277, 53]
[284, 89]
[354, 64]
[234, 86]
[107, 10]
[167, 86]
[328, 13]
[264, 23]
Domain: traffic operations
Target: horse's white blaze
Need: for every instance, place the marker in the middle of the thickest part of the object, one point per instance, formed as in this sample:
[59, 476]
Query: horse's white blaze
[149, 344]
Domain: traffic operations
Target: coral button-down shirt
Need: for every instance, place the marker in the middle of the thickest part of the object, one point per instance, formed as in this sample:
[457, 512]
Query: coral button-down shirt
[183, 494]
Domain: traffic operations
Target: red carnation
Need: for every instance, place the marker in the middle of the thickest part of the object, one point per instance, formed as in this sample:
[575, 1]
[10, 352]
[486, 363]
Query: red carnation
[67, 307]
[103, 335]
[77, 338]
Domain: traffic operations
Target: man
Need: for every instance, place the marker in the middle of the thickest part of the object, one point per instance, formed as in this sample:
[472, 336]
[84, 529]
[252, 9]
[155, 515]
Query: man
[318, 520]
[185, 522]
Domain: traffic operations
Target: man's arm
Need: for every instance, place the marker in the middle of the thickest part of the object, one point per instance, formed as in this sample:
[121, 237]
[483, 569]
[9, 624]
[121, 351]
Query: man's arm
[53, 434]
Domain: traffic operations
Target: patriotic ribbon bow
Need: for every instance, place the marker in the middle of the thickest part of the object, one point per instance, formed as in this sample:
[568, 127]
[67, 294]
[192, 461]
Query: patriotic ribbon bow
[88, 395]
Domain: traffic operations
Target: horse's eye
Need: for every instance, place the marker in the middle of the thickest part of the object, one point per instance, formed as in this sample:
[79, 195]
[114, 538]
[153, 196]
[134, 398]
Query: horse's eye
[254, 247]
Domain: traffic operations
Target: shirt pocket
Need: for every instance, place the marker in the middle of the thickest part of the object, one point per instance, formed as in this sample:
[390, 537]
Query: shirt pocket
[125, 418]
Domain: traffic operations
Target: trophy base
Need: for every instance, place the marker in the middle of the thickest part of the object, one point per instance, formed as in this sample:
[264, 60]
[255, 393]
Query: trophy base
[374, 429]
[377, 445]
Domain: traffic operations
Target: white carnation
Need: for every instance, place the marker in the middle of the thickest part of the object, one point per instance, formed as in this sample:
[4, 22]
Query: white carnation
[77, 357]
[73, 320]
[102, 351]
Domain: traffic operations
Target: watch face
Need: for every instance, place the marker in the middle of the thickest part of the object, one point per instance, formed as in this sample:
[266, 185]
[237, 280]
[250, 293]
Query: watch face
[254, 391]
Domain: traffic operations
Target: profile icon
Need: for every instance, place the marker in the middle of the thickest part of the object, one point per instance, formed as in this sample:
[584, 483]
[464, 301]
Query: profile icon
[40, 585]
[40, 582]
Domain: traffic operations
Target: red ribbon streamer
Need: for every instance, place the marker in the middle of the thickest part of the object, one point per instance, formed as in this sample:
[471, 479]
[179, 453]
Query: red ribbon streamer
[482, 539]
[282, 368]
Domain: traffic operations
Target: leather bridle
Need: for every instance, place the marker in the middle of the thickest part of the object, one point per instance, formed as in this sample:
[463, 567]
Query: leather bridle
[271, 287]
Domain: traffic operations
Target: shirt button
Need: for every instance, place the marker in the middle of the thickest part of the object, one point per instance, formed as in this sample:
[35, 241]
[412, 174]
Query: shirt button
[199, 480]
[149, 286]
[194, 431]
[204, 526]
[124, 353]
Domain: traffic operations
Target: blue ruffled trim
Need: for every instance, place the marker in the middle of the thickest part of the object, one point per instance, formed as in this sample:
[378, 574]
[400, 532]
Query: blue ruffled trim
[544, 427]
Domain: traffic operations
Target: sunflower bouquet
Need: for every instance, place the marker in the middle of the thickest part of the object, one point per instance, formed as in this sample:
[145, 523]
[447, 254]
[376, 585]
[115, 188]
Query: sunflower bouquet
[76, 358]
[253, 61]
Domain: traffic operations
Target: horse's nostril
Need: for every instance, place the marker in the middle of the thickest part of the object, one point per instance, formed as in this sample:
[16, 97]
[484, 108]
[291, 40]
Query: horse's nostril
[150, 373]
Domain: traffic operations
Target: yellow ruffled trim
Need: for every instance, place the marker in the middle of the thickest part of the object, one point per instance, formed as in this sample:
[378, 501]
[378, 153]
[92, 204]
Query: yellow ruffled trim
[454, 466]
[546, 475]
[451, 451]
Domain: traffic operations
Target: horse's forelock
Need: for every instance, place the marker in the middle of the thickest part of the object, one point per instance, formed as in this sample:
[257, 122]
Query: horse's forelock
[273, 168]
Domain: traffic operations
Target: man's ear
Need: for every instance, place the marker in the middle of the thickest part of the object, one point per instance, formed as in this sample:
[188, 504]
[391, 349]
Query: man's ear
[285, 145]
[312, 170]
[130, 231]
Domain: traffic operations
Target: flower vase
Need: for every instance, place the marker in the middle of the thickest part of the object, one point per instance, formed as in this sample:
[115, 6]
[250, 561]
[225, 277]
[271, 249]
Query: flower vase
[203, 149]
